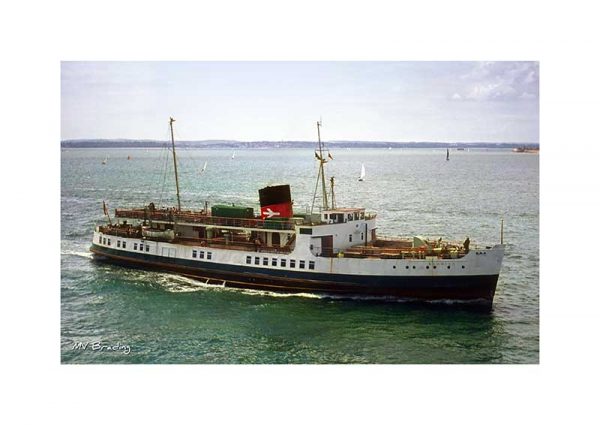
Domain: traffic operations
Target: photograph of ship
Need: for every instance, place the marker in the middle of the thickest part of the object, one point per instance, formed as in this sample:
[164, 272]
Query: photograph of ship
[417, 243]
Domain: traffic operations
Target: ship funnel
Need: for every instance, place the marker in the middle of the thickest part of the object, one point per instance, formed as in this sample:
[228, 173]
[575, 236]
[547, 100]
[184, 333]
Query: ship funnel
[275, 202]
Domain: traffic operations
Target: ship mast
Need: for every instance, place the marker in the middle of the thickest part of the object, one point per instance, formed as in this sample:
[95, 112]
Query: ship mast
[332, 180]
[321, 175]
[171, 120]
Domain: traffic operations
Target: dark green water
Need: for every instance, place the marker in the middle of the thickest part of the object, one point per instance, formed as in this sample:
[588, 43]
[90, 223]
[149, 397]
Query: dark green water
[163, 318]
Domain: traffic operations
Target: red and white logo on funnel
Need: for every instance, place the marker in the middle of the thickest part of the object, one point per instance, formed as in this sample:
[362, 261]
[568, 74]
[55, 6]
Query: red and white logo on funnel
[276, 210]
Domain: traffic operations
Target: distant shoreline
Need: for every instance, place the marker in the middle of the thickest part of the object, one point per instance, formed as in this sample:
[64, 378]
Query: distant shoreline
[232, 144]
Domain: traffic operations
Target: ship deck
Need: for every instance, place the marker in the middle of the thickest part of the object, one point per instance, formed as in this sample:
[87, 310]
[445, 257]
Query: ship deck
[390, 248]
[202, 218]
[232, 242]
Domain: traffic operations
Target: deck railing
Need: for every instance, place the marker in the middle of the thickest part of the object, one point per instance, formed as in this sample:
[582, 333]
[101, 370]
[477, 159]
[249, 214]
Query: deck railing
[203, 218]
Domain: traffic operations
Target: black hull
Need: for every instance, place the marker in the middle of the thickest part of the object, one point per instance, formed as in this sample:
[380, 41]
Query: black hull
[473, 289]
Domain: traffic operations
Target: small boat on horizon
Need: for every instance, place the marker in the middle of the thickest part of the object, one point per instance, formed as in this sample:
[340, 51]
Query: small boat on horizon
[104, 161]
[204, 167]
[447, 154]
[362, 173]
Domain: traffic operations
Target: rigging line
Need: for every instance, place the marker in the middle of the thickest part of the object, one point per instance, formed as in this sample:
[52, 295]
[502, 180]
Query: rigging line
[155, 181]
[166, 170]
[189, 166]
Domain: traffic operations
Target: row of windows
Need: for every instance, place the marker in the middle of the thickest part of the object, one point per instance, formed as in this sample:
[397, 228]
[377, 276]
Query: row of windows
[200, 254]
[282, 262]
[349, 217]
[103, 241]
[427, 267]
[123, 244]
[141, 246]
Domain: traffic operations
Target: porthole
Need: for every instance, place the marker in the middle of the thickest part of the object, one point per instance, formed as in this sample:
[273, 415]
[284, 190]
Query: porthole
[406, 267]
[394, 267]
[427, 267]
[448, 267]
[414, 267]
[435, 267]
[463, 267]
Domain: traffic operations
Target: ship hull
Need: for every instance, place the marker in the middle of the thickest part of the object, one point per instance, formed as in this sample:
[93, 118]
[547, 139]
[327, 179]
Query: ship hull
[475, 289]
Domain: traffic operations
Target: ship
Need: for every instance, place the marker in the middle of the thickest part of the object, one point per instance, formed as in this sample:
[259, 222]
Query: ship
[327, 250]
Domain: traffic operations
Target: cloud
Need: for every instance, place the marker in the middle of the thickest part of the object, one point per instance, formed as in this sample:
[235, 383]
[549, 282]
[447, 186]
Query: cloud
[500, 81]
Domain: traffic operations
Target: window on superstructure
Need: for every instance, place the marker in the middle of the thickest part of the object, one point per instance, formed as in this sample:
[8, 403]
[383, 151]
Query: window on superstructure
[248, 260]
[362, 215]
[311, 265]
[302, 263]
[194, 253]
[257, 261]
[108, 241]
[326, 216]
[147, 248]
[293, 264]
[274, 262]
[209, 255]
[104, 241]
[124, 244]
[201, 254]
[118, 244]
[350, 217]
[99, 239]
[135, 246]
[362, 236]
[349, 238]
[265, 261]
[283, 262]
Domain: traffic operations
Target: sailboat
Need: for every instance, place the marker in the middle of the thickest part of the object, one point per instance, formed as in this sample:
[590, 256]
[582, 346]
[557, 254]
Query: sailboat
[204, 167]
[233, 155]
[362, 173]
[447, 154]
[104, 161]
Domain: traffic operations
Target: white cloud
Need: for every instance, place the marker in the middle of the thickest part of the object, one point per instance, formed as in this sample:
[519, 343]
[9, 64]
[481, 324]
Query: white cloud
[500, 81]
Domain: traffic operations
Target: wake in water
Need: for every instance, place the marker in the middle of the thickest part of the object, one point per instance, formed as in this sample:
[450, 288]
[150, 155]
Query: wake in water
[84, 254]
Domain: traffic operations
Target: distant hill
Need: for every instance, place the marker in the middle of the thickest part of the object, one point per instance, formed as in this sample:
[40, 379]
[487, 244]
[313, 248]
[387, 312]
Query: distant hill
[220, 144]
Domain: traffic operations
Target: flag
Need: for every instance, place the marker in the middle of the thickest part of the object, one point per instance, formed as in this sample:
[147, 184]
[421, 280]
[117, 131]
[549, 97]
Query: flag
[329, 155]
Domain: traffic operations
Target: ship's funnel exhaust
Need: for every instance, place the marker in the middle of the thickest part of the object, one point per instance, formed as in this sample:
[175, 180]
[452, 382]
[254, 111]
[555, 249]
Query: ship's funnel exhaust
[275, 202]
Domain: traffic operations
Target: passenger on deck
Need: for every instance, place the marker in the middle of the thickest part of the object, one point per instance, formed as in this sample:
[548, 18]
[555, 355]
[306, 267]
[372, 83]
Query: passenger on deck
[466, 245]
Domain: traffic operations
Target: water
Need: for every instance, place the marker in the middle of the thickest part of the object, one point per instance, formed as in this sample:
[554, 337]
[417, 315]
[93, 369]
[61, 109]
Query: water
[151, 317]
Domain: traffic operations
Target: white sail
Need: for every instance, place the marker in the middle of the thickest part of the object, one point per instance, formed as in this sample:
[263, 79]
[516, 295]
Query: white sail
[204, 167]
[362, 173]
[233, 155]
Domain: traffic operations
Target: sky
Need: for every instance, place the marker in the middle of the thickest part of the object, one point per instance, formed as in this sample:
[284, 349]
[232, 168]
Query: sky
[257, 101]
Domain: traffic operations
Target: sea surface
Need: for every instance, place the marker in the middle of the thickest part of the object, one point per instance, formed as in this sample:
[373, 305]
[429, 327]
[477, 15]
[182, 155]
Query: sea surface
[111, 314]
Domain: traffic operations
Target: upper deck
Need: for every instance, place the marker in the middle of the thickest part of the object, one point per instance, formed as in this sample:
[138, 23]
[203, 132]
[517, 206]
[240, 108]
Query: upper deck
[202, 218]
[190, 217]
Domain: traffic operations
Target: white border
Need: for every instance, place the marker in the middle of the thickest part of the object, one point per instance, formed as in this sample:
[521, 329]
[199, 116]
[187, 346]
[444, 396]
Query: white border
[38, 35]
